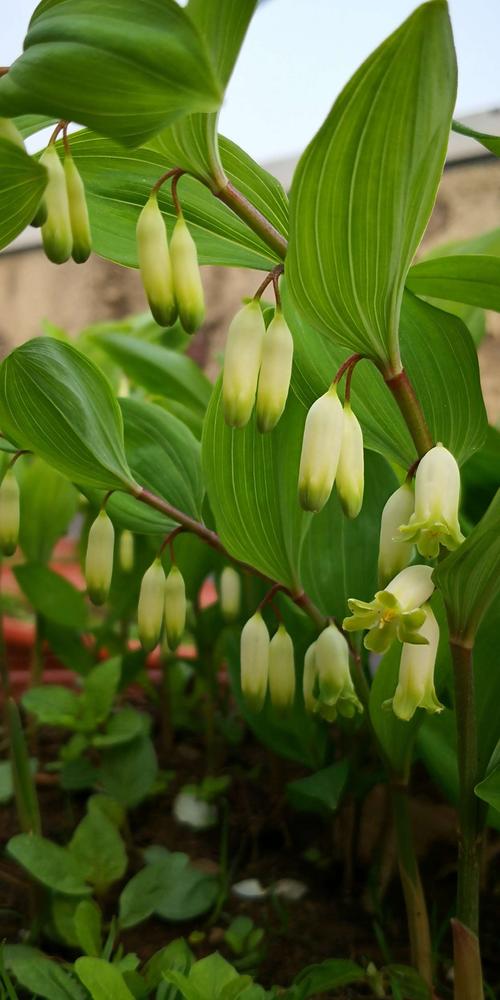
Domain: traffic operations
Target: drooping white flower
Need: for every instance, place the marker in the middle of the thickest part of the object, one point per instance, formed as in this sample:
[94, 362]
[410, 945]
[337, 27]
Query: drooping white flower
[99, 558]
[56, 230]
[242, 364]
[151, 605]
[350, 478]
[416, 673]
[437, 498]
[394, 552]
[78, 212]
[275, 373]
[281, 670]
[230, 593]
[155, 264]
[254, 660]
[320, 450]
[336, 689]
[9, 513]
[395, 612]
[175, 607]
[188, 287]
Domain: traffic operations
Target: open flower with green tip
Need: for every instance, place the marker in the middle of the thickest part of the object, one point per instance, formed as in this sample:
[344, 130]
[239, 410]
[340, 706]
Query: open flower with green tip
[437, 497]
[416, 673]
[394, 613]
[327, 682]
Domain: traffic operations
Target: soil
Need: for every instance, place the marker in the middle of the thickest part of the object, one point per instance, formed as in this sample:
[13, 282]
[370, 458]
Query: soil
[267, 840]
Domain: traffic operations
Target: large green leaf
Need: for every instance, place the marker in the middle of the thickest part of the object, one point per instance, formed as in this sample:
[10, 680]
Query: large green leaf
[441, 361]
[30, 124]
[470, 278]
[22, 183]
[165, 459]
[364, 189]
[339, 556]
[469, 578]
[127, 68]
[51, 595]
[251, 482]
[159, 370]
[99, 849]
[491, 142]
[55, 402]
[192, 143]
[170, 887]
[48, 502]
[118, 183]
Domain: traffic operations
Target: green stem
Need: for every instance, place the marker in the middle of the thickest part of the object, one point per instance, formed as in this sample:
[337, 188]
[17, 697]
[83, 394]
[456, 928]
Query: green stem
[469, 857]
[242, 207]
[410, 407]
[416, 909]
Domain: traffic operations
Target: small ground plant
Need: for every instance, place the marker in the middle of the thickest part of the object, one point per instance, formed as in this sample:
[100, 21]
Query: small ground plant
[339, 482]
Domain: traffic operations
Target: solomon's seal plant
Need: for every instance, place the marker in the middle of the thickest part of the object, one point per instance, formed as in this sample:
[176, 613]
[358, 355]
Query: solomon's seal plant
[319, 472]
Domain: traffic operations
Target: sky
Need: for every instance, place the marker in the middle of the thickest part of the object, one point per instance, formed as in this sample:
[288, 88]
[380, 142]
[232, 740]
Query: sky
[298, 55]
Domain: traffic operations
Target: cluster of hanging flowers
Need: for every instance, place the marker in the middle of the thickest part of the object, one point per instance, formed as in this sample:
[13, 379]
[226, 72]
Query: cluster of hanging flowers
[257, 364]
[170, 273]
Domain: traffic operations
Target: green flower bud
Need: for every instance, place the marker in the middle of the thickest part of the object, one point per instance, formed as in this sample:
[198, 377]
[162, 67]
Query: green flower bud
[275, 373]
[187, 278]
[9, 513]
[126, 551]
[242, 364]
[394, 552]
[99, 558]
[350, 479]
[175, 607]
[396, 612]
[155, 263]
[10, 132]
[437, 497]
[230, 593]
[56, 230]
[151, 605]
[336, 689]
[254, 659]
[310, 680]
[320, 450]
[78, 212]
[281, 670]
[416, 673]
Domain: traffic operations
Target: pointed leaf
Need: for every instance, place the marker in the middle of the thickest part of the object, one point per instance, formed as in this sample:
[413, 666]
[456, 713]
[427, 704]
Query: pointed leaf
[470, 278]
[22, 183]
[102, 980]
[40, 975]
[364, 189]
[126, 68]
[252, 487]
[55, 402]
[469, 578]
[491, 142]
[53, 866]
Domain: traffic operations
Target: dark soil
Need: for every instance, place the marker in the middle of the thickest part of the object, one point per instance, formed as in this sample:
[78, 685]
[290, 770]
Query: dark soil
[353, 907]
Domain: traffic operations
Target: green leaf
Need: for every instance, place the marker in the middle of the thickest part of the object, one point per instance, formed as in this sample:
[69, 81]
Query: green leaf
[55, 402]
[48, 863]
[489, 788]
[102, 980]
[22, 183]
[51, 595]
[171, 887]
[252, 487]
[339, 555]
[88, 927]
[364, 189]
[27, 805]
[491, 142]
[176, 955]
[192, 142]
[48, 503]
[53, 705]
[326, 976]
[118, 182]
[470, 278]
[407, 981]
[127, 68]
[123, 727]
[441, 362]
[99, 850]
[469, 578]
[128, 773]
[41, 976]
[206, 980]
[30, 124]
[320, 792]
[99, 691]
[159, 370]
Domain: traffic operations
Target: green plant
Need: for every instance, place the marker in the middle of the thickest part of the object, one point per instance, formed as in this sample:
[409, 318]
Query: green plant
[385, 397]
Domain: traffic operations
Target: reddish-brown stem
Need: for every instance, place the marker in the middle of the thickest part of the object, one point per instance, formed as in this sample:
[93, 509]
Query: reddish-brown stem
[412, 412]
[106, 498]
[272, 276]
[276, 284]
[169, 540]
[175, 196]
[4, 70]
[59, 128]
[269, 596]
[175, 171]
[67, 147]
[412, 471]
[242, 207]
[16, 456]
